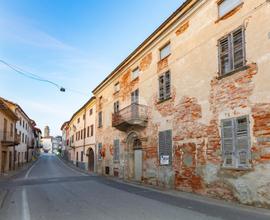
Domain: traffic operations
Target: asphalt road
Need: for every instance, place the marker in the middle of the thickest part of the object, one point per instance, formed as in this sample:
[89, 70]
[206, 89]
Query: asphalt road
[51, 190]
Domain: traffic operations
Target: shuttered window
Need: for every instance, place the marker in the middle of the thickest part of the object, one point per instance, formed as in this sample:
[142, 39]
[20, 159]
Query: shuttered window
[135, 97]
[231, 52]
[100, 119]
[165, 147]
[116, 107]
[99, 151]
[165, 86]
[116, 150]
[236, 142]
[226, 6]
[165, 51]
[135, 73]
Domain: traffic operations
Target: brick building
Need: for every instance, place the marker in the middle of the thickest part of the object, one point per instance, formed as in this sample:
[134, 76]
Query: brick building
[190, 108]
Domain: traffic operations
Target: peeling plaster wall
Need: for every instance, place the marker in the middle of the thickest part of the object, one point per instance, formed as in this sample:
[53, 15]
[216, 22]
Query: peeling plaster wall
[200, 100]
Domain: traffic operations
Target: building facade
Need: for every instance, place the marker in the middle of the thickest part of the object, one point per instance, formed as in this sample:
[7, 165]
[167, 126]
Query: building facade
[8, 137]
[189, 109]
[82, 145]
[25, 129]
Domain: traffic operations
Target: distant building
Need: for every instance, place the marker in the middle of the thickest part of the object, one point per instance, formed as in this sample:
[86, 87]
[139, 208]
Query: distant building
[46, 131]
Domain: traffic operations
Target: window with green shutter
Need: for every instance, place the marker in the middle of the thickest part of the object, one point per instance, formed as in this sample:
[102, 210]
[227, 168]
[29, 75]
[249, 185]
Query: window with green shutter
[165, 86]
[236, 142]
[165, 147]
[99, 151]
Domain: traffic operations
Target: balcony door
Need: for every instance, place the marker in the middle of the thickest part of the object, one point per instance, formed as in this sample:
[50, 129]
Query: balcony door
[134, 104]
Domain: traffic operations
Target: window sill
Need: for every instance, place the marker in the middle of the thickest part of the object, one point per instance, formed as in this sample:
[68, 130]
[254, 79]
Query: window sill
[135, 79]
[232, 72]
[230, 13]
[237, 168]
[164, 100]
[165, 58]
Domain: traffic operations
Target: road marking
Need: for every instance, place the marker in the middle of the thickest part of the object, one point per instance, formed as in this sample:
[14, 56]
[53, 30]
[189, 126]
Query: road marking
[25, 206]
[28, 172]
[72, 168]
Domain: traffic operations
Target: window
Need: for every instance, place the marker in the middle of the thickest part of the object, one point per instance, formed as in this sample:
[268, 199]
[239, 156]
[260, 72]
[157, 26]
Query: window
[78, 120]
[91, 111]
[165, 86]
[226, 6]
[135, 73]
[81, 134]
[92, 130]
[81, 156]
[99, 151]
[72, 139]
[116, 107]
[100, 119]
[11, 129]
[235, 142]
[117, 87]
[231, 52]
[165, 147]
[165, 51]
[88, 131]
[135, 97]
[23, 138]
[83, 116]
[116, 149]
[23, 123]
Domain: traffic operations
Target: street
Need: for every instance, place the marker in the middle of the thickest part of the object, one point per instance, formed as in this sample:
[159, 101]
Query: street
[50, 190]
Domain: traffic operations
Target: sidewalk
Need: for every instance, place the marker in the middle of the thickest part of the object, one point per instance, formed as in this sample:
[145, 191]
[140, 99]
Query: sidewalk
[179, 194]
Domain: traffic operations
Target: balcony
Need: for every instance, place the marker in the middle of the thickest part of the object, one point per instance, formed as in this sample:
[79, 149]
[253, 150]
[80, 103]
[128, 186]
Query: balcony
[132, 115]
[10, 139]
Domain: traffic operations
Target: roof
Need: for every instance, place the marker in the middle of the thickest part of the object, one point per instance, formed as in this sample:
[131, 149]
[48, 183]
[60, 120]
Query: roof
[89, 101]
[17, 106]
[64, 125]
[177, 14]
[4, 108]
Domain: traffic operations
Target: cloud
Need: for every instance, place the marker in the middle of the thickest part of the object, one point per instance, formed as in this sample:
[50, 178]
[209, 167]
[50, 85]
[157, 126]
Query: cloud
[20, 30]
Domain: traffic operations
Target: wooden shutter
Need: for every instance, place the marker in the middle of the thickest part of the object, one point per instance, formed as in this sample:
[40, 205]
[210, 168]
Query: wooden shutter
[161, 88]
[224, 55]
[238, 48]
[228, 142]
[242, 141]
[167, 85]
[165, 144]
[99, 151]
[116, 150]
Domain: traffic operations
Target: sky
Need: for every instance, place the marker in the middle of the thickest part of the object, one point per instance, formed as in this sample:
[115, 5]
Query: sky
[74, 43]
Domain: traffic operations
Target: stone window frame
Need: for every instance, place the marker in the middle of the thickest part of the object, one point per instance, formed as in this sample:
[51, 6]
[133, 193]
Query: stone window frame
[236, 135]
[135, 73]
[163, 86]
[234, 6]
[231, 52]
[161, 49]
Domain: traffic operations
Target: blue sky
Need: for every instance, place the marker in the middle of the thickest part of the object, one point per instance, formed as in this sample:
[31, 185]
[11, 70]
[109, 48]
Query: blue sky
[75, 43]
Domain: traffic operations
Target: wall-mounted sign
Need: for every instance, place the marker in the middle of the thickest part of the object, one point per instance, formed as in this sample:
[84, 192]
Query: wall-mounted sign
[164, 159]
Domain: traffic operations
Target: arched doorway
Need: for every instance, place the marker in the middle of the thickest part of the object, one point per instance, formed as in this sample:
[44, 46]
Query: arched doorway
[134, 156]
[91, 160]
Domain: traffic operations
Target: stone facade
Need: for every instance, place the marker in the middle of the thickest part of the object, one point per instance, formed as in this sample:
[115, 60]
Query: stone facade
[200, 98]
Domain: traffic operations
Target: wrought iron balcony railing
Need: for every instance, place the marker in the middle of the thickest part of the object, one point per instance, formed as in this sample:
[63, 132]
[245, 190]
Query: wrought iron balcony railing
[132, 115]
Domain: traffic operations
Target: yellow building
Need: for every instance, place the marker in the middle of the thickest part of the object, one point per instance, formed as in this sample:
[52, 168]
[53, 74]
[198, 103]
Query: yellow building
[190, 107]
[8, 137]
[82, 145]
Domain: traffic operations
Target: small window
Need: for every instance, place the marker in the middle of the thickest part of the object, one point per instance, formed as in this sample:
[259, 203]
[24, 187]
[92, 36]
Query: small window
[83, 116]
[135, 73]
[235, 142]
[135, 97]
[81, 156]
[231, 52]
[91, 111]
[11, 129]
[165, 51]
[88, 131]
[116, 107]
[100, 119]
[81, 134]
[165, 86]
[165, 147]
[78, 120]
[99, 151]
[225, 6]
[92, 130]
[116, 149]
[117, 87]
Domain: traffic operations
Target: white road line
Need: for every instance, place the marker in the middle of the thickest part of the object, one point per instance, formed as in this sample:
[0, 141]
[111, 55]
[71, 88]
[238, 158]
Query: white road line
[28, 172]
[76, 171]
[25, 206]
